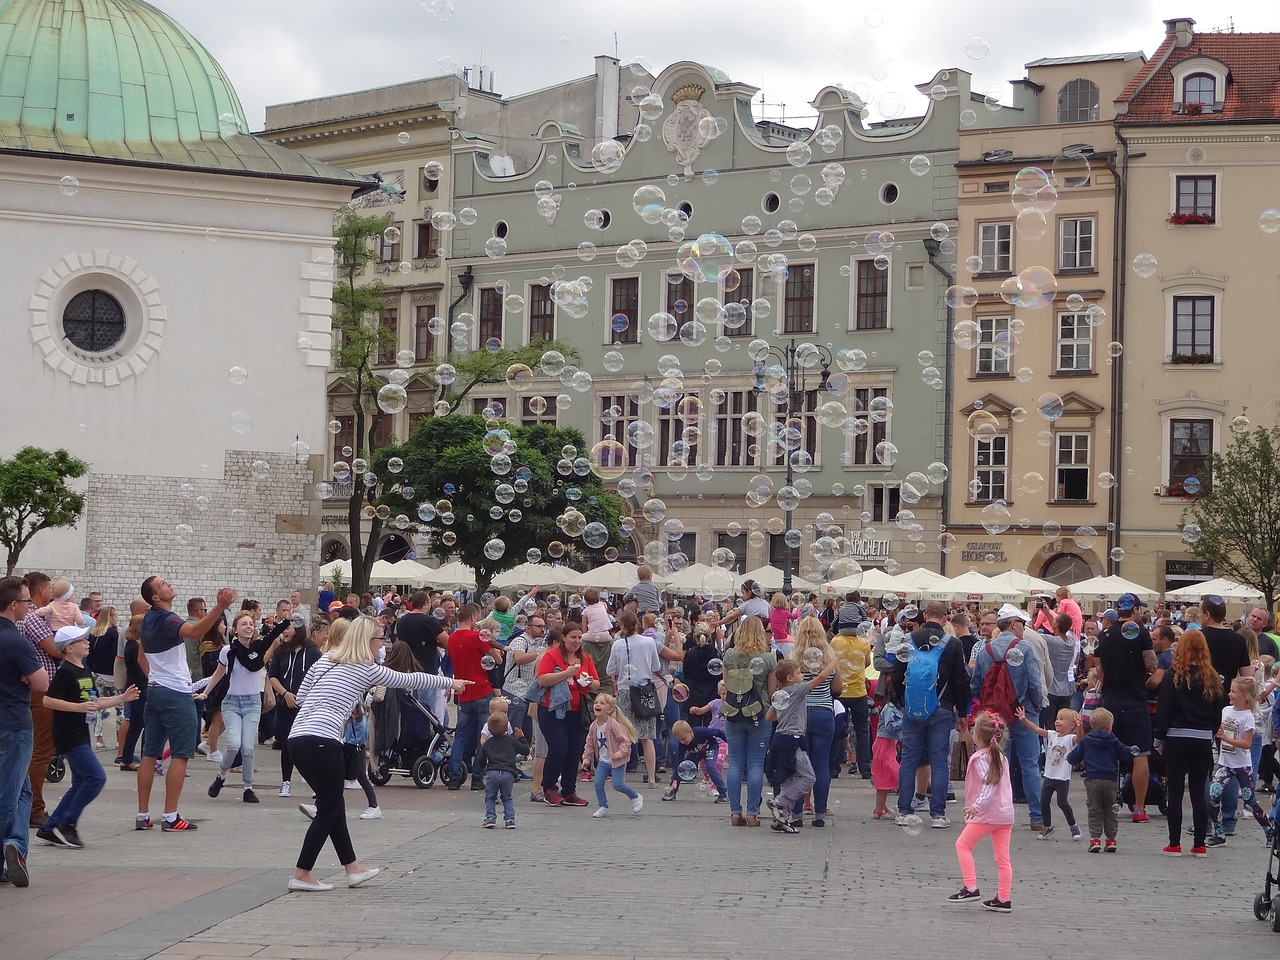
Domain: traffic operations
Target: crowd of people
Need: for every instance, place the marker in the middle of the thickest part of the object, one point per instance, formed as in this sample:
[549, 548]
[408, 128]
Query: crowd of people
[1151, 705]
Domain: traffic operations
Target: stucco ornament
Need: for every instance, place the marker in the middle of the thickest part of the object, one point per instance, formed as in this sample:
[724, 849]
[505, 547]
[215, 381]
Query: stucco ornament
[681, 131]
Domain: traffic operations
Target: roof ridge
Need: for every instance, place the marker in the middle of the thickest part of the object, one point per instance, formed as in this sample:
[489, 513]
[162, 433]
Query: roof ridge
[1148, 71]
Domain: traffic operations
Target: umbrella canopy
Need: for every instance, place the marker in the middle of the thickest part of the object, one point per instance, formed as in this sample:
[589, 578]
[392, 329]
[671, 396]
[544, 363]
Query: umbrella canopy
[971, 585]
[1219, 587]
[406, 572]
[870, 583]
[383, 573]
[1024, 585]
[920, 580]
[770, 578]
[337, 570]
[616, 577]
[688, 581]
[453, 576]
[1110, 588]
[529, 575]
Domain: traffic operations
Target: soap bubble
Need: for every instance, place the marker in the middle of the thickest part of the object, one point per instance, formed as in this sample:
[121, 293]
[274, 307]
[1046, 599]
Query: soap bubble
[241, 423]
[687, 771]
[183, 533]
[1145, 265]
[759, 666]
[70, 186]
[1191, 533]
[1130, 630]
[715, 667]
[912, 825]
[259, 469]
[1191, 485]
[976, 48]
[1015, 656]
[238, 376]
[494, 549]
[392, 398]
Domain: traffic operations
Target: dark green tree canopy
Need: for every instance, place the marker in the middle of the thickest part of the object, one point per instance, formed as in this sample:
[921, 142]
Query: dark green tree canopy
[34, 496]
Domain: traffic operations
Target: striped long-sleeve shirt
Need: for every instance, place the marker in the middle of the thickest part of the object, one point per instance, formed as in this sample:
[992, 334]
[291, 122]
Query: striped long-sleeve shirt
[330, 691]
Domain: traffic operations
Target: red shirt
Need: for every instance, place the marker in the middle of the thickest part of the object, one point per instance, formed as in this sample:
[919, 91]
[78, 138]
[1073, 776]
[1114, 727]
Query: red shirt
[466, 647]
[553, 662]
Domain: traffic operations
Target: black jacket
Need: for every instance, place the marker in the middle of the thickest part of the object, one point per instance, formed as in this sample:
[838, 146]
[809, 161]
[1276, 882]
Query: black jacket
[1178, 707]
[953, 674]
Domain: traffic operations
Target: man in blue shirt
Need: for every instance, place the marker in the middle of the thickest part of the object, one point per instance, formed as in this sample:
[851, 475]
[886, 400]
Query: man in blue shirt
[20, 675]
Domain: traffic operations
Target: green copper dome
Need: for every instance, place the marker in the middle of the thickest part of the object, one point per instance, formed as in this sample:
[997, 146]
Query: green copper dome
[117, 80]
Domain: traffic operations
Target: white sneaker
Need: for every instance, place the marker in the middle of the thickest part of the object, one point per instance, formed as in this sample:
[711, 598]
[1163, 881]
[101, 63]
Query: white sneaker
[351, 785]
[372, 813]
[637, 804]
[284, 789]
[940, 823]
[901, 820]
[601, 813]
[308, 810]
[215, 757]
[202, 747]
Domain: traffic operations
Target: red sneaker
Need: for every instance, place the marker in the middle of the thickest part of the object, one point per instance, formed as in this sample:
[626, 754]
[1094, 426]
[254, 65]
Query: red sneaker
[1173, 850]
[1110, 847]
[573, 800]
[1140, 816]
[551, 798]
[1199, 851]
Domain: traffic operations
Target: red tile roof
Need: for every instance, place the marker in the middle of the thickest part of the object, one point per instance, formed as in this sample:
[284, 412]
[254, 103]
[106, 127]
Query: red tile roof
[1253, 86]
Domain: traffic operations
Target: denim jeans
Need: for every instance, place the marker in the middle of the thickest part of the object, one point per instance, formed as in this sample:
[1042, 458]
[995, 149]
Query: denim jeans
[87, 781]
[748, 743]
[820, 728]
[1024, 744]
[498, 782]
[618, 773]
[15, 788]
[467, 736]
[930, 737]
[240, 715]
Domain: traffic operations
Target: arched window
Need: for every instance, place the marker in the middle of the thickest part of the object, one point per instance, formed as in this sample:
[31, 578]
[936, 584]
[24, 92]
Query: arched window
[1078, 101]
[1200, 88]
[1066, 569]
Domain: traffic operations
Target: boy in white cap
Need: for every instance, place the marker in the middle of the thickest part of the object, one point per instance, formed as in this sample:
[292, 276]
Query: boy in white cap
[71, 697]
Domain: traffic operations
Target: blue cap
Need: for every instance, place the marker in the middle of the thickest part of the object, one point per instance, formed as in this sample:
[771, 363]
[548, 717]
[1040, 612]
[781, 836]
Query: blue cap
[1128, 602]
[1111, 615]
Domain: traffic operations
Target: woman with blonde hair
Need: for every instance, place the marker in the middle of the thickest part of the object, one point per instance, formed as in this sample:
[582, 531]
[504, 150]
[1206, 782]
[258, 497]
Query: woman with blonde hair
[749, 684]
[814, 654]
[332, 688]
[136, 669]
[104, 640]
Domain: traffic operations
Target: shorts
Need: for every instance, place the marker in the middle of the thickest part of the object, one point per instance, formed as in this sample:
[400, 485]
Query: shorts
[539, 741]
[170, 716]
[1132, 722]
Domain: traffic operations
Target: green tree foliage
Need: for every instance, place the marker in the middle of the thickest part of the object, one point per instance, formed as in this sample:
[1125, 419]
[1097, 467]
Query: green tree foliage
[1239, 515]
[452, 450]
[484, 367]
[34, 496]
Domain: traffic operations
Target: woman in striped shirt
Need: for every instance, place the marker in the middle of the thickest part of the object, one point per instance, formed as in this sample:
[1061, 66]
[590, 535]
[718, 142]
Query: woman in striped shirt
[333, 686]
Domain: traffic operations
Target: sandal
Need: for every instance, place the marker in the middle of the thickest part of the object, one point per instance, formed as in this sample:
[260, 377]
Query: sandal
[738, 820]
[128, 767]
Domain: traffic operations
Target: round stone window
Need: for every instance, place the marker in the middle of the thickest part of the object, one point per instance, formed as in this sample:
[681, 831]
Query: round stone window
[94, 321]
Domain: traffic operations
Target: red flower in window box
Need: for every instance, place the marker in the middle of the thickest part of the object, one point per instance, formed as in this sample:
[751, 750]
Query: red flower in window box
[1191, 359]
[1183, 219]
[1194, 108]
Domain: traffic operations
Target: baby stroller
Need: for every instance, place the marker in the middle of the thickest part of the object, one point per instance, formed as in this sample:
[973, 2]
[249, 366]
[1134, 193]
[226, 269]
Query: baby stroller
[1264, 906]
[408, 740]
[1156, 795]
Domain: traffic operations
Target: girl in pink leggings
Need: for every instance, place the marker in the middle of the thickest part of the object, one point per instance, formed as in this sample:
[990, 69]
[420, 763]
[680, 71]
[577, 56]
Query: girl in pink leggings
[988, 811]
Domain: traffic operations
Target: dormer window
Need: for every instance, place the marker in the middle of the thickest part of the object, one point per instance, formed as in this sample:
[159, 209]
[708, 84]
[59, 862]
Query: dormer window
[1078, 101]
[1201, 89]
[1199, 86]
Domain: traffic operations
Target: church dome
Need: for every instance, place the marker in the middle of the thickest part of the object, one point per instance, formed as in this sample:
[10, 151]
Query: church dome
[80, 72]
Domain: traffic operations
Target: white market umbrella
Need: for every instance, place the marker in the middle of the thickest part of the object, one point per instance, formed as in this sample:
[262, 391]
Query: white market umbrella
[383, 573]
[871, 583]
[688, 581]
[769, 578]
[1025, 585]
[527, 575]
[453, 576]
[972, 585]
[920, 580]
[1220, 587]
[406, 572]
[1108, 588]
[336, 570]
[617, 577]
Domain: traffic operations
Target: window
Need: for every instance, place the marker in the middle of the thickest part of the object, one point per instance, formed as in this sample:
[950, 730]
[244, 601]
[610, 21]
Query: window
[478, 405]
[624, 300]
[1078, 101]
[93, 321]
[1190, 449]
[536, 410]
[808, 425]
[1196, 195]
[389, 252]
[996, 186]
[489, 321]
[1071, 470]
[1193, 326]
[542, 313]
[885, 503]
[797, 316]
[871, 297]
[687, 544]
[732, 444]
[889, 194]
[865, 443]
[1075, 343]
[737, 544]
[424, 340]
[993, 346]
[381, 431]
[995, 247]
[424, 243]
[1200, 88]
[388, 335]
[673, 442]
[617, 413]
[1075, 244]
[991, 468]
[346, 437]
[779, 553]
[680, 299]
[742, 294]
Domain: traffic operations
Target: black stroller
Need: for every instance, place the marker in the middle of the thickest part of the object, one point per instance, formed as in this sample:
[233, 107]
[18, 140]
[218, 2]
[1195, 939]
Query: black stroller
[408, 741]
[1265, 907]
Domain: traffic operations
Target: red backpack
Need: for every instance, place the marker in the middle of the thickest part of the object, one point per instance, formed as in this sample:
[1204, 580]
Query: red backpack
[998, 694]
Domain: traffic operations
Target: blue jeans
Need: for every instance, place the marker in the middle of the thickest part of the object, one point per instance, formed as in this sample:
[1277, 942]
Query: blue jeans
[819, 731]
[619, 782]
[1025, 743]
[87, 781]
[748, 743]
[467, 736]
[498, 782]
[15, 788]
[240, 715]
[932, 736]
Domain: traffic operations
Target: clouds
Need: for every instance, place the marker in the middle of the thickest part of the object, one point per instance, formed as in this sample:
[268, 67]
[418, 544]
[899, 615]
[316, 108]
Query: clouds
[281, 50]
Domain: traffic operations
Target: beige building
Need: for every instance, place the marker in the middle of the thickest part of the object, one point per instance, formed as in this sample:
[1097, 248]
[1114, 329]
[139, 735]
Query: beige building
[1198, 128]
[1032, 427]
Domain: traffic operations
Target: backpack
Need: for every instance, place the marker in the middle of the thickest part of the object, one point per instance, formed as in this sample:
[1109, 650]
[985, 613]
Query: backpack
[741, 699]
[998, 694]
[920, 698]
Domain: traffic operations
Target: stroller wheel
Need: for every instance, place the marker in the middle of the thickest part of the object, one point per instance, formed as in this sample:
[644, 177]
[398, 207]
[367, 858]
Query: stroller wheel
[424, 771]
[57, 770]
[380, 775]
[1261, 907]
[1274, 917]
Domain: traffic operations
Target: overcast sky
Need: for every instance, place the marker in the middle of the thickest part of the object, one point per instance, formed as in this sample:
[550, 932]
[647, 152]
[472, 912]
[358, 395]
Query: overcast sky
[281, 50]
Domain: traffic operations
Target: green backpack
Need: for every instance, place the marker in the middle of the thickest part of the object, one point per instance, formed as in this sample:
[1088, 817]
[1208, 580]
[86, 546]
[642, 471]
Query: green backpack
[742, 701]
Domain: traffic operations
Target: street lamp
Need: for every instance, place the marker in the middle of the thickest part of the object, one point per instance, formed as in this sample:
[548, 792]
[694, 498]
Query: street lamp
[795, 363]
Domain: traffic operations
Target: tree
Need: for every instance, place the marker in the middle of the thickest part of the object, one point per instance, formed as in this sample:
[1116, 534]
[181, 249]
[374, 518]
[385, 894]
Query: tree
[453, 453]
[34, 496]
[1239, 514]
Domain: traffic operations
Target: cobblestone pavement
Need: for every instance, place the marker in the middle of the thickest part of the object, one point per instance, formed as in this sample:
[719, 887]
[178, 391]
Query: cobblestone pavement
[675, 881]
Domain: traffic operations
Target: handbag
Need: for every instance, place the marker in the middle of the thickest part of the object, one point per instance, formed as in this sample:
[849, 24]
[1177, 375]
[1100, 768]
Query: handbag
[587, 706]
[644, 695]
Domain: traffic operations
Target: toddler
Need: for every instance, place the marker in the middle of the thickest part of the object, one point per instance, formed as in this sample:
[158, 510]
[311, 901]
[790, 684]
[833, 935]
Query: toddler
[1102, 755]
[355, 738]
[1057, 771]
[63, 610]
[1092, 696]
[780, 617]
[496, 758]
[988, 811]
[698, 745]
[884, 760]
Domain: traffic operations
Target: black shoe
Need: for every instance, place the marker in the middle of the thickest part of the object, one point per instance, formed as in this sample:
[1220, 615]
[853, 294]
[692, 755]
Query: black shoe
[69, 836]
[47, 835]
[998, 905]
[784, 826]
[15, 866]
[477, 784]
[215, 788]
[453, 784]
[964, 896]
[250, 796]
[819, 822]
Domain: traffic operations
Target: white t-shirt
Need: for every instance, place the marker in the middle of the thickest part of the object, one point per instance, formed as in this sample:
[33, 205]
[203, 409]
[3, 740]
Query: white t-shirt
[1056, 748]
[602, 743]
[1235, 724]
[243, 683]
[755, 607]
[597, 617]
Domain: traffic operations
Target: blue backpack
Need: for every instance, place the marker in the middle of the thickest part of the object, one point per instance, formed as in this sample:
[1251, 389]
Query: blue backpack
[920, 699]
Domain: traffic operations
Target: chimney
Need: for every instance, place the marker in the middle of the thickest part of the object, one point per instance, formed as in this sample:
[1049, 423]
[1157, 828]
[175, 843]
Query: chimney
[608, 92]
[1181, 28]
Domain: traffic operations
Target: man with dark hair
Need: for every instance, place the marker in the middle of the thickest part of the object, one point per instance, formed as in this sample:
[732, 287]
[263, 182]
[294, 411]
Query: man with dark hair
[38, 633]
[170, 714]
[467, 647]
[1127, 660]
[1227, 649]
[21, 676]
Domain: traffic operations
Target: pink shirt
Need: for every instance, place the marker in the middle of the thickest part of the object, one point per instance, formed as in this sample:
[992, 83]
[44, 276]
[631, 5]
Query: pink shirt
[1072, 609]
[993, 801]
[780, 622]
[597, 617]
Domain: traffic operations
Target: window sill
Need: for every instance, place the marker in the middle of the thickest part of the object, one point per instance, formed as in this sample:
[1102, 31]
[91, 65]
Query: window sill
[1073, 374]
[1078, 271]
[994, 275]
[1207, 367]
[1071, 503]
[885, 329]
[991, 376]
[985, 503]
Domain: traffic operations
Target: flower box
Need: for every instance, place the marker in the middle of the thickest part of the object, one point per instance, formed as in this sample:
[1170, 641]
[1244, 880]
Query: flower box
[1194, 108]
[1184, 219]
[1191, 359]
